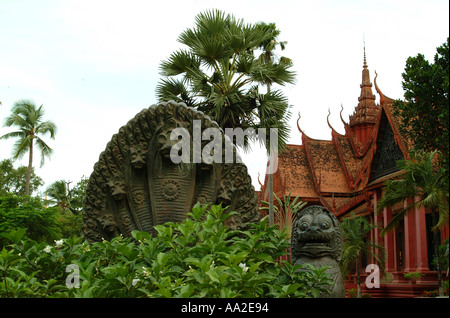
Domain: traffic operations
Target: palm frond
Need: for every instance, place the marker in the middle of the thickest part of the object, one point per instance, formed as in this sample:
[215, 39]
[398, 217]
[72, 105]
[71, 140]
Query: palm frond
[45, 150]
[176, 90]
[14, 134]
[179, 62]
[47, 127]
[422, 179]
[21, 147]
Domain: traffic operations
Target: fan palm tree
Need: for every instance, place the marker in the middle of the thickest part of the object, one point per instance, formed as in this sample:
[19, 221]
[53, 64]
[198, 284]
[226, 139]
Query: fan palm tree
[355, 230]
[29, 120]
[425, 180]
[219, 74]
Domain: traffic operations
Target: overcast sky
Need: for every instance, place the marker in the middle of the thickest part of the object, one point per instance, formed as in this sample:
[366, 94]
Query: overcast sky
[94, 64]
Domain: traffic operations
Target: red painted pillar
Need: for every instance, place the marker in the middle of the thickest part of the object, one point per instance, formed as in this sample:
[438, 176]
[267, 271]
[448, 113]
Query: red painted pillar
[378, 221]
[410, 240]
[389, 242]
[421, 239]
[444, 233]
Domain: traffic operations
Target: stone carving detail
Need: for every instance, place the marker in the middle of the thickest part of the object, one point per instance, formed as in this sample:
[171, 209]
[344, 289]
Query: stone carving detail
[317, 240]
[135, 185]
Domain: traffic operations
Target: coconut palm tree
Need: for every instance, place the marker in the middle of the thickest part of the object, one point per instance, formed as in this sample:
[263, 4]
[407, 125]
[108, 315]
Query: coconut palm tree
[219, 74]
[355, 230]
[59, 194]
[425, 180]
[29, 120]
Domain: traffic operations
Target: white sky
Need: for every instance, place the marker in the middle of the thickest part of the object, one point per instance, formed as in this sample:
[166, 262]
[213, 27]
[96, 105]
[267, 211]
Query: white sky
[94, 64]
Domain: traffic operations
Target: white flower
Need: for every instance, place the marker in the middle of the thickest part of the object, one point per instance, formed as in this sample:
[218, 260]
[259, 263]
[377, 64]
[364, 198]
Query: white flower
[59, 243]
[47, 249]
[135, 281]
[145, 272]
[243, 266]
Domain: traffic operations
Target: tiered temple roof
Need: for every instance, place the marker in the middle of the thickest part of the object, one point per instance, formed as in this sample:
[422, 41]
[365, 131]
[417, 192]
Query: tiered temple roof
[339, 173]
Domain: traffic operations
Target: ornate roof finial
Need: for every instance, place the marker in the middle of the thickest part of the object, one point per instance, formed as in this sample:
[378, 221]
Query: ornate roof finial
[364, 47]
[261, 186]
[383, 98]
[365, 62]
[328, 118]
[366, 110]
[298, 126]
[340, 115]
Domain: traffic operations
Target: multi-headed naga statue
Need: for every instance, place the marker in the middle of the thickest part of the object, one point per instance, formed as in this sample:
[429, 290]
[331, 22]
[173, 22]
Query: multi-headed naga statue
[136, 184]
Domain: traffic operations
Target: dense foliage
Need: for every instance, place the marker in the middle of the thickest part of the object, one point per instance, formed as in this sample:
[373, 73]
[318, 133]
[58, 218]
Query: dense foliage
[29, 214]
[425, 115]
[199, 257]
[39, 222]
[13, 180]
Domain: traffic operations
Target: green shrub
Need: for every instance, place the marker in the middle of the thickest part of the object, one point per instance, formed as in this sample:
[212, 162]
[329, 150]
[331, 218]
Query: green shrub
[69, 223]
[199, 257]
[30, 214]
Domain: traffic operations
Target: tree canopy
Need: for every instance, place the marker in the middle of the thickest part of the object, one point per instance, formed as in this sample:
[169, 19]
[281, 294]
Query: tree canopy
[220, 73]
[12, 180]
[425, 115]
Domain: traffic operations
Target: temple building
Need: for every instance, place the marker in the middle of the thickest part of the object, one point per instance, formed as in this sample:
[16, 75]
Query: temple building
[347, 174]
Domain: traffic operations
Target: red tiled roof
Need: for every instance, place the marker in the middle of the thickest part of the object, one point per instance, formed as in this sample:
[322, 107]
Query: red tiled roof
[336, 172]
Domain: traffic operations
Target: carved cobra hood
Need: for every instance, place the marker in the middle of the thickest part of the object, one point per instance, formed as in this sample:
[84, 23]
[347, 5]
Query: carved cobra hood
[135, 184]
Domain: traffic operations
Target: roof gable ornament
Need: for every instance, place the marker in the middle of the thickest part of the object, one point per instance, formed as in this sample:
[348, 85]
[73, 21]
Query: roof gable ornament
[383, 98]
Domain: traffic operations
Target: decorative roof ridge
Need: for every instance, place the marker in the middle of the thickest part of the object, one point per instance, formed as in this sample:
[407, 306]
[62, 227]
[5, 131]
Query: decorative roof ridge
[340, 115]
[356, 199]
[383, 98]
[333, 131]
[260, 184]
[356, 146]
[348, 176]
[305, 137]
[312, 169]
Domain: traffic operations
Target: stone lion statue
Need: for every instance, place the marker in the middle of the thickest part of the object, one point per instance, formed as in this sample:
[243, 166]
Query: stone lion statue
[317, 240]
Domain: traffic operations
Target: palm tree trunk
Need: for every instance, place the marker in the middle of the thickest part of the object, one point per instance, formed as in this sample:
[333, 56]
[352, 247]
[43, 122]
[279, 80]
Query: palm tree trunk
[271, 218]
[30, 167]
[436, 252]
[271, 221]
[358, 278]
